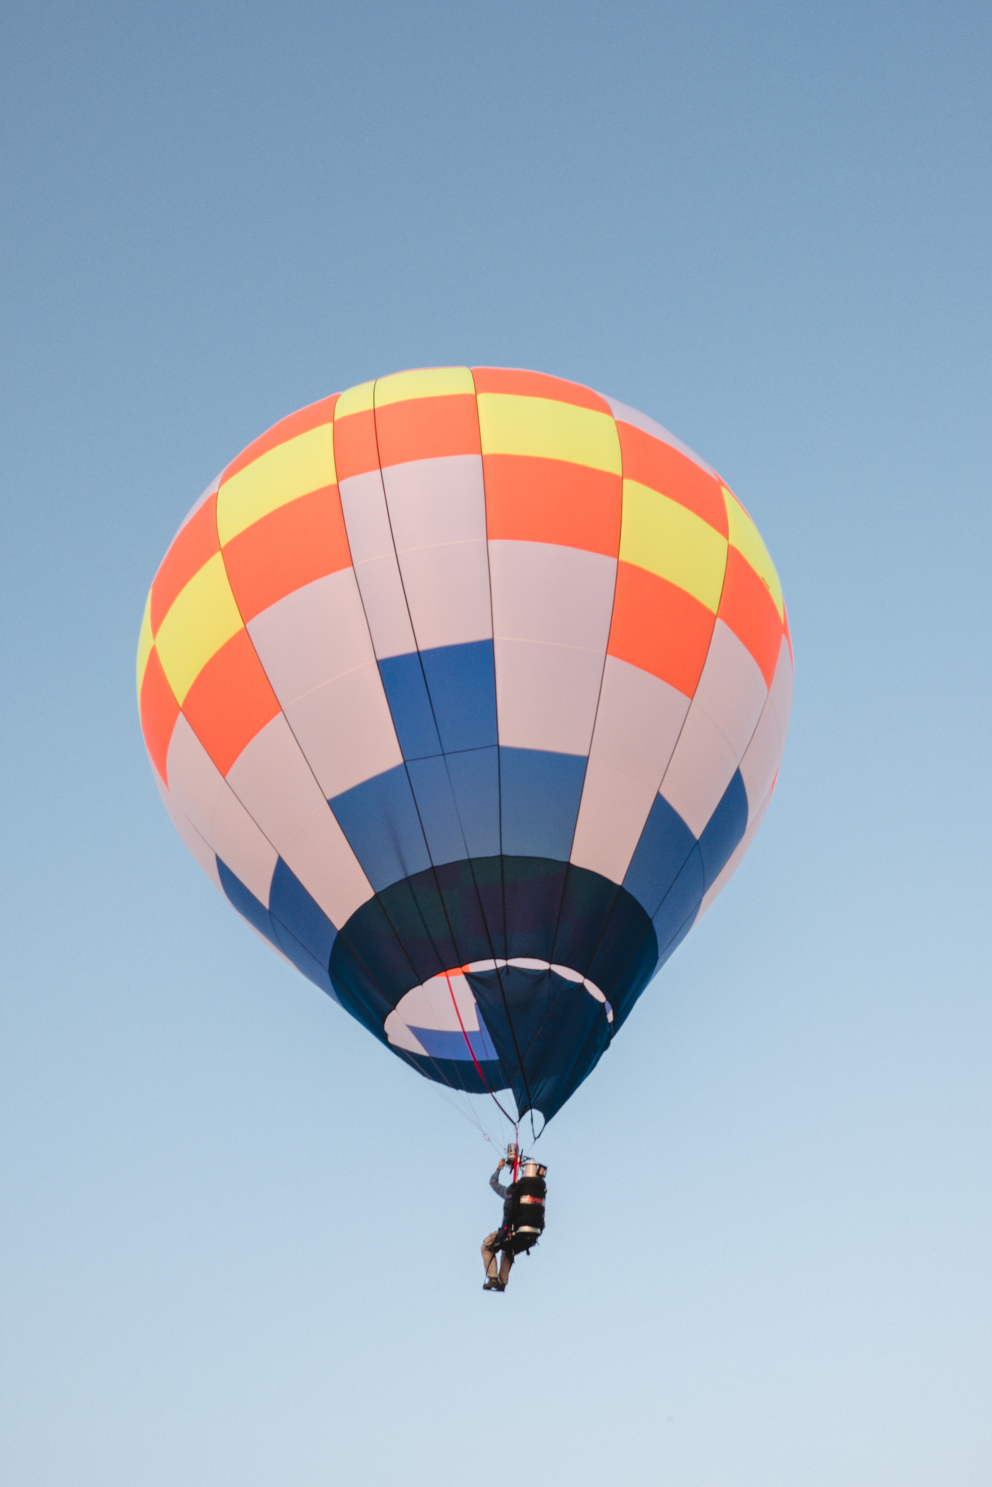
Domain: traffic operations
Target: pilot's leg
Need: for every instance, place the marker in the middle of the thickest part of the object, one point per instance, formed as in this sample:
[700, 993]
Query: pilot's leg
[489, 1255]
[506, 1261]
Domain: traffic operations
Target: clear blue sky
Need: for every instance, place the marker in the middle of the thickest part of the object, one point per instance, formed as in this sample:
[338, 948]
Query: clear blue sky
[238, 1241]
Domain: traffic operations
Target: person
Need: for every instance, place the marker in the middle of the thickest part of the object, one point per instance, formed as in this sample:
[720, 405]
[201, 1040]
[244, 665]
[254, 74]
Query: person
[499, 1239]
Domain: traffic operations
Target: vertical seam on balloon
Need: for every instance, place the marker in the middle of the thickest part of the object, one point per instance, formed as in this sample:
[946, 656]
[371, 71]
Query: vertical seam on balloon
[499, 765]
[430, 700]
[339, 929]
[609, 914]
[599, 696]
[736, 768]
[376, 893]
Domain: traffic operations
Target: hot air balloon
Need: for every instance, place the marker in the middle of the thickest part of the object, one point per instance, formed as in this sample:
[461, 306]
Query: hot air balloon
[469, 689]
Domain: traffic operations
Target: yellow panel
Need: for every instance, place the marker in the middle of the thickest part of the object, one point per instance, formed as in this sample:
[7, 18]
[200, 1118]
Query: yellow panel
[289, 470]
[427, 382]
[145, 641]
[547, 428]
[202, 618]
[668, 539]
[355, 400]
[745, 536]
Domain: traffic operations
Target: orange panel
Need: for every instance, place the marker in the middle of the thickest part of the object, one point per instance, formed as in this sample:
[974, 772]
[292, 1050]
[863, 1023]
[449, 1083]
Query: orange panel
[293, 545]
[659, 628]
[749, 609]
[538, 500]
[427, 428]
[355, 448]
[537, 385]
[159, 711]
[654, 463]
[230, 701]
[287, 428]
[190, 549]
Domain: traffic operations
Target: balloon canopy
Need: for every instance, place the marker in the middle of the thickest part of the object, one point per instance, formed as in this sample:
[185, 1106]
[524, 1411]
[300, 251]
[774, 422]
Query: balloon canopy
[469, 689]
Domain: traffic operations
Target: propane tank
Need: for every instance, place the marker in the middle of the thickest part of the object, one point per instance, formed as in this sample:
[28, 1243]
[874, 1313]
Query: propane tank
[532, 1191]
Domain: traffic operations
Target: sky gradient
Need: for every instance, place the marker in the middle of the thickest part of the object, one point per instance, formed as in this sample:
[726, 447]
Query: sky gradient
[238, 1240]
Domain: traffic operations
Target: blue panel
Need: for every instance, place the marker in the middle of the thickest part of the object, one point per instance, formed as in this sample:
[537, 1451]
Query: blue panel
[474, 778]
[462, 683]
[380, 820]
[304, 961]
[438, 812]
[452, 1045]
[291, 904]
[681, 903]
[247, 905]
[540, 795]
[458, 799]
[724, 829]
[410, 705]
[664, 845]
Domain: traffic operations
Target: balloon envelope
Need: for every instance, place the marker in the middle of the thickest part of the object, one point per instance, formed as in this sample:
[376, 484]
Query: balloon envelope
[469, 690]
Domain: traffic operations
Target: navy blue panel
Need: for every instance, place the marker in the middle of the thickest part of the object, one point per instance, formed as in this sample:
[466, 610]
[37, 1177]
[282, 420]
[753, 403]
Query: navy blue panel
[681, 903]
[246, 903]
[550, 1032]
[380, 821]
[539, 798]
[462, 682]
[724, 830]
[453, 914]
[457, 1073]
[664, 845]
[292, 905]
[458, 799]
[314, 970]
[410, 705]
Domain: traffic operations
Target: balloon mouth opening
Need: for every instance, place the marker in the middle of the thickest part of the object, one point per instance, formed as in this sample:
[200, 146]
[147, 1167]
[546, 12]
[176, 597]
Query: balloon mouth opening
[441, 1018]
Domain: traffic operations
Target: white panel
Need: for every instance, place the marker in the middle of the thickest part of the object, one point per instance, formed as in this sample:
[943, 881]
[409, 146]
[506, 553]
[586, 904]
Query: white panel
[762, 757]
[400, 1036]
[312, 635]
[447, 590]
[561, 595]
[194, 779]
[637, 727]
[780, 694]
[194, 842]
[205, 798]
[239, 843]
[433, 502]
[702, 767]
[367, 521]
[612, 814]
[734, 860]
[638, 722]
[273, 781]
[321, 857]
[345, 729]
[433, 1005]
[731, 689]
[546, 695]
[623, 414]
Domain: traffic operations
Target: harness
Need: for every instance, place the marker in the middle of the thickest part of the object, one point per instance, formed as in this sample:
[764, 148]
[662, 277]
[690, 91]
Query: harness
[525, 1225]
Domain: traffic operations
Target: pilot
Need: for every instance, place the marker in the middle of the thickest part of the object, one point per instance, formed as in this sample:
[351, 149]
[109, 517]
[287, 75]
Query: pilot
[500, 1239]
